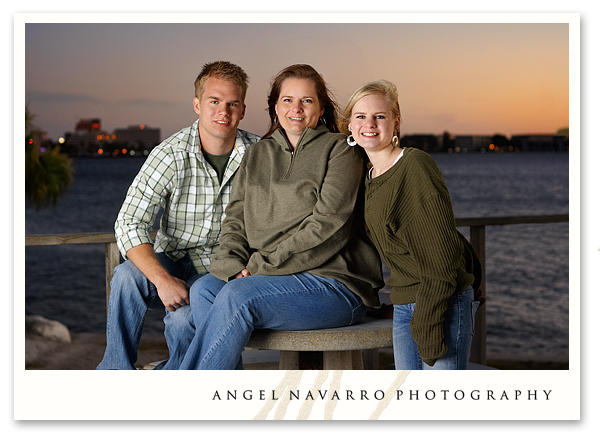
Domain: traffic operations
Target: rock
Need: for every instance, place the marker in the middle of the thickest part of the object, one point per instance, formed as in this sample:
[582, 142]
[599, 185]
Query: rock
[50, 329]
[84, 352]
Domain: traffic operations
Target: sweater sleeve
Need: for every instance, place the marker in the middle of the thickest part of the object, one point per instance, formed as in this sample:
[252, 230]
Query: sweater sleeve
[234, 251]
[327, 230]
[434, 244]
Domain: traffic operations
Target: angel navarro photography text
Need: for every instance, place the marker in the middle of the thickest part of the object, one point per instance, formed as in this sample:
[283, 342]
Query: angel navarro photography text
[400, 395]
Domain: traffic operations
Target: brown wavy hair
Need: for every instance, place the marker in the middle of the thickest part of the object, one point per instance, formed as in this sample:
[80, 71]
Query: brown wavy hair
[326, 101]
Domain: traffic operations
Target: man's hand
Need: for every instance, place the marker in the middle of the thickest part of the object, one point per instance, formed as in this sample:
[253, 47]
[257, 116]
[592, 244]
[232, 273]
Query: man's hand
[173, 292]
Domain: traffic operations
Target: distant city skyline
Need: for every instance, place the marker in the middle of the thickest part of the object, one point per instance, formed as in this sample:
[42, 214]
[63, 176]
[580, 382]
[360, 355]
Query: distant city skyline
[462, 78]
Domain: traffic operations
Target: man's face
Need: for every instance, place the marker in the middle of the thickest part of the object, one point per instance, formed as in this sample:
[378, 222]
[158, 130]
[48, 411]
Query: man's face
[220, 110]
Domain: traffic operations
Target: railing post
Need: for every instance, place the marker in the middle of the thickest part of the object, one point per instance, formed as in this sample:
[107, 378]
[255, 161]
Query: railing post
[478, 346]
[112, 258]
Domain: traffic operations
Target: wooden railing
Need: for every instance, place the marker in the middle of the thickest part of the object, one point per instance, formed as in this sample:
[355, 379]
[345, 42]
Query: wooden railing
[477, 238]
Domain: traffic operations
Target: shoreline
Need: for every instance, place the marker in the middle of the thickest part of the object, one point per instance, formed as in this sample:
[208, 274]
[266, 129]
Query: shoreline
[86, 350]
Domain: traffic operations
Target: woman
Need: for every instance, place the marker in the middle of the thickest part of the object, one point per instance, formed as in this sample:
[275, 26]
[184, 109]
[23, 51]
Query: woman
[292, 255]
[410, 219]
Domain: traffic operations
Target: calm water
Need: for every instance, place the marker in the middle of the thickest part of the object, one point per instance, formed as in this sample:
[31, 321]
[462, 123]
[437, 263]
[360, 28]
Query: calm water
[527, 265]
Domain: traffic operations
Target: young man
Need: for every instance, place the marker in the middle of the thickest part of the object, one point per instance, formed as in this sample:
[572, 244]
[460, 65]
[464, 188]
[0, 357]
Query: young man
[189, 175]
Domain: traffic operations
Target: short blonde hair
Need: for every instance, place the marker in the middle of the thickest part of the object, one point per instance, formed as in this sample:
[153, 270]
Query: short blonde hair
[223, 70]
[382, 87]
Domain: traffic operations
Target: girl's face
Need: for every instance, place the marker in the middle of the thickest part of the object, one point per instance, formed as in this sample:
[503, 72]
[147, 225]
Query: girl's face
[372, 122]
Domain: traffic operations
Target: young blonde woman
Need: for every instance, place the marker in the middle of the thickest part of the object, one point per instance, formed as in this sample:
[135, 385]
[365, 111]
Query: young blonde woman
[409, 216]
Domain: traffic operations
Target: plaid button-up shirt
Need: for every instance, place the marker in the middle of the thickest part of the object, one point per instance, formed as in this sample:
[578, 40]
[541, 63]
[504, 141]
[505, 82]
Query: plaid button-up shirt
[177, 178]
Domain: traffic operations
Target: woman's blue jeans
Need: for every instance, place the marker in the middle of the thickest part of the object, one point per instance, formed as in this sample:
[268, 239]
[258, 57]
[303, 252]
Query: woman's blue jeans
[459, 327]
[131, 296]
[226, 313]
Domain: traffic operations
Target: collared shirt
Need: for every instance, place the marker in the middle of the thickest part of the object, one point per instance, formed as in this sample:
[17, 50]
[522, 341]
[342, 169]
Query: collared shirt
[177, 178]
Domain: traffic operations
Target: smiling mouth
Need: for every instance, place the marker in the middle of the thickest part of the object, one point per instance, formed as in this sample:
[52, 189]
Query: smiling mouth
[370, 134]
[222, 122]
[296, 119]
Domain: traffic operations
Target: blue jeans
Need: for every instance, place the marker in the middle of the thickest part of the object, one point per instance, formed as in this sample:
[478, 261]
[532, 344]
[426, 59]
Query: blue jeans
[132, 294]
[459, 327]
[226, 313]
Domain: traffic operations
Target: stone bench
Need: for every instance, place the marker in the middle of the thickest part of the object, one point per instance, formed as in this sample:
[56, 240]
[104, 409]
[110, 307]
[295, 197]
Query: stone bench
[328, 349]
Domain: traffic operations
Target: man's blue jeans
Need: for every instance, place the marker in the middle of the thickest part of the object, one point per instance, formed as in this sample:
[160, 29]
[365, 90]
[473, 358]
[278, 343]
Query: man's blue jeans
[132, 294]
[226, 313]
[459, 327]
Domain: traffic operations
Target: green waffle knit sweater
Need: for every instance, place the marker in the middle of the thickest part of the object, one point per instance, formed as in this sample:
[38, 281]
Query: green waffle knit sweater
[409, 215]
[295, 212]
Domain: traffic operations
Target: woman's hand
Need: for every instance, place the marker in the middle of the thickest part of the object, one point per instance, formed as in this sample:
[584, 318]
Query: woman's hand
[243, 273]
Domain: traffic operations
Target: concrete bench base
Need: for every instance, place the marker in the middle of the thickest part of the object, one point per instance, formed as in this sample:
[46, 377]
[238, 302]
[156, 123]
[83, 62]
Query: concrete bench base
[346, 348]
[354, 347]
[328, 360]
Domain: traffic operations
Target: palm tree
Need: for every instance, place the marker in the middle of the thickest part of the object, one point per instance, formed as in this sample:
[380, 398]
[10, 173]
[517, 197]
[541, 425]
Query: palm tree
[47, 174]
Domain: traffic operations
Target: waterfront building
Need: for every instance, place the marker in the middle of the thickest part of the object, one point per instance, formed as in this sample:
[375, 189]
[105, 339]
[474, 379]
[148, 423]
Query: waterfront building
[472, 143]
[426, 142]
[138, 138]
[541, 142]
[87, 139]
[90, 140]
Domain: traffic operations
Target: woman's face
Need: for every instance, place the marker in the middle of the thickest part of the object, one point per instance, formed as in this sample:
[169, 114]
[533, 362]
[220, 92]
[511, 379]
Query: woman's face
[298, 107]
[372, 122]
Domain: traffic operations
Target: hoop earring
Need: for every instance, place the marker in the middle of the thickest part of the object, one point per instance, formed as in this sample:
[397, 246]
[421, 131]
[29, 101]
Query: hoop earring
[396, 141]
[351, 140]
[322, 120]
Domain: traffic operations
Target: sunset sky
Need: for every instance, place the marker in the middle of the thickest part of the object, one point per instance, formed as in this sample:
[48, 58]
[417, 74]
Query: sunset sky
[464, 78]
